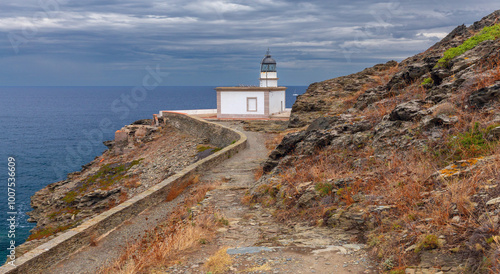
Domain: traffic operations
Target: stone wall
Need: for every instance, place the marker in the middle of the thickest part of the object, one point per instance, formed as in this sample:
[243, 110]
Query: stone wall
[57, 249]
[216, 134]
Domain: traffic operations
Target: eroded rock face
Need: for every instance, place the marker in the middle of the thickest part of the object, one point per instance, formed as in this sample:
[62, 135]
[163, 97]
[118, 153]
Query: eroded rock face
[331, 125]
[484, 96]
[320, 98]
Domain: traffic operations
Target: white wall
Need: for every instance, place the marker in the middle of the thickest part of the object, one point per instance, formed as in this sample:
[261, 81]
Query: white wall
[268, 75]
[275, 99]
[233, 102]
[268, 83]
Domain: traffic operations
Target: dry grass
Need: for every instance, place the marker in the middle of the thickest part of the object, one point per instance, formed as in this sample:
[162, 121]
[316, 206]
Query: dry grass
[350, 100]
[219, 262]
[93, 239]
[258, 173]
[166, 243]
[274, 140]
[378, 110]
[420, 205]
[176, 191]
[446, 108]
[489, 72]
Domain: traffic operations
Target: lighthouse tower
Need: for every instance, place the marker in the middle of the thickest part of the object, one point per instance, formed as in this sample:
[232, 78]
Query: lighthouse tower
[268, 74]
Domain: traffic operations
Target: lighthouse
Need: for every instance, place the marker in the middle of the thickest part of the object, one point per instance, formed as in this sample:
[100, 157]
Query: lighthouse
[268, 73]
[261, 101]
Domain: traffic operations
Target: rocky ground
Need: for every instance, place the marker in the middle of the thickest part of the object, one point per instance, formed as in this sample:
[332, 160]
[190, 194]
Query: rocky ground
[142, 156]
[374, 150]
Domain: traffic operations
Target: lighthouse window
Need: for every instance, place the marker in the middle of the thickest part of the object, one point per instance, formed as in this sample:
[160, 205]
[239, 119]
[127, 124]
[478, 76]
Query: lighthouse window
[268, 68]
[251, 104]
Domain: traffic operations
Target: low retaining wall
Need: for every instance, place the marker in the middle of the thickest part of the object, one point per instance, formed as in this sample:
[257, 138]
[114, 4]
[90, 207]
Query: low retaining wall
[192, 111]
[57, 249]
[215, 134]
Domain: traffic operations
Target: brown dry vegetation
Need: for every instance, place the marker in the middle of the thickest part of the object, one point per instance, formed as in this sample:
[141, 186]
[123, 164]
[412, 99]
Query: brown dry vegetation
[350, 100]
[489, 72]
[219, 262]
[417, 207]
[181, 233]
[274, 140]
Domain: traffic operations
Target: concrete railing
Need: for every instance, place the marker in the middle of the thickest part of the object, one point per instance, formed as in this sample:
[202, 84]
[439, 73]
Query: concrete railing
[191, 111]
[57, 249]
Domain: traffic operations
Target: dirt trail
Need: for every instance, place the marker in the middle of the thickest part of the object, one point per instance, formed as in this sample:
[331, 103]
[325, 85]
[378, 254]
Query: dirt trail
[254, 238]
[257, 243]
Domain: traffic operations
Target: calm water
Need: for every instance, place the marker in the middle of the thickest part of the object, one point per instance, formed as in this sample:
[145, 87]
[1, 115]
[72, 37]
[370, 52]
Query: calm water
[51, 131]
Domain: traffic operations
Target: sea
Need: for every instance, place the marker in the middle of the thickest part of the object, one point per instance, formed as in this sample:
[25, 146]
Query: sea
[47, 132]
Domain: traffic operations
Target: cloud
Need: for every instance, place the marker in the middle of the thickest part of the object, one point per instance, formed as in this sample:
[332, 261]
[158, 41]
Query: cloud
[201, 39]
[439, 35]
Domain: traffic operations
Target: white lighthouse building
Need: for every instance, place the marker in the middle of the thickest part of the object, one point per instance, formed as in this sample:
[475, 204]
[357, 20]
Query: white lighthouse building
[253, 102]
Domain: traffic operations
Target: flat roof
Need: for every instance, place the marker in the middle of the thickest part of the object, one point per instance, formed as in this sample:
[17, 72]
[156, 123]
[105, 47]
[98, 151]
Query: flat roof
[250, 88]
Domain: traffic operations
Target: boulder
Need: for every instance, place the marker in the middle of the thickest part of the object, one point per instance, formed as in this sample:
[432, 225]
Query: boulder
[286, 146]
[407, 111]
[440, 120]
[485, 95]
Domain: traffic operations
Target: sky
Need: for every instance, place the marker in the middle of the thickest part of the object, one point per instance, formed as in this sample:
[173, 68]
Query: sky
[215, 42]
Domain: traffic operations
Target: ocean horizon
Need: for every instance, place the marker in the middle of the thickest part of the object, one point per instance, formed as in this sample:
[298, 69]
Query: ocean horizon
[52, 131]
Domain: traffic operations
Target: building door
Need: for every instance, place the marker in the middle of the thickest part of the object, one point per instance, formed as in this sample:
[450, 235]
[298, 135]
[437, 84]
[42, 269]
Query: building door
[282, 109]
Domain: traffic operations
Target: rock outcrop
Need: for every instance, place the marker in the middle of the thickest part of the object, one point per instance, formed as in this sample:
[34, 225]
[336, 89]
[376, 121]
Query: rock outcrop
[370, 124]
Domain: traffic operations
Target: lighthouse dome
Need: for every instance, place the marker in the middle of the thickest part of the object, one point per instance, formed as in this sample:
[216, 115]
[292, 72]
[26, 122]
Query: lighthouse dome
[268, 64]
[268, 60]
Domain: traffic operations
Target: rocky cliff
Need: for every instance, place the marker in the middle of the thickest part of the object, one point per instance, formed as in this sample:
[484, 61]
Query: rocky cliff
[140, 156]
[404, 155]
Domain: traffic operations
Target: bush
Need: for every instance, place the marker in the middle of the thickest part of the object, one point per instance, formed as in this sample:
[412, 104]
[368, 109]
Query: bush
[471, 143]
[487, 33]
[429, 242]
[427, 81]
[324, 188]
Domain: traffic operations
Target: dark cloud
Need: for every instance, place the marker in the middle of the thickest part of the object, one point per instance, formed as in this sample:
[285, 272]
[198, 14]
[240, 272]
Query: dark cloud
[215, 42]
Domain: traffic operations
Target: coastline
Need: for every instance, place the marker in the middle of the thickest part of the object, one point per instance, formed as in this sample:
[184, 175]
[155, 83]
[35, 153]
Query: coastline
[219, 134]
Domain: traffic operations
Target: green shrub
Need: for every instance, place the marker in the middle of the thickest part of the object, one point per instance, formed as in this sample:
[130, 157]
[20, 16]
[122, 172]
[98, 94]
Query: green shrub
[70, 197]
[105, 177]
[487, 33]
[324, 188]
[427, 81]
[471, 143]
[48, 231]
[429, 242]
[202, 148]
